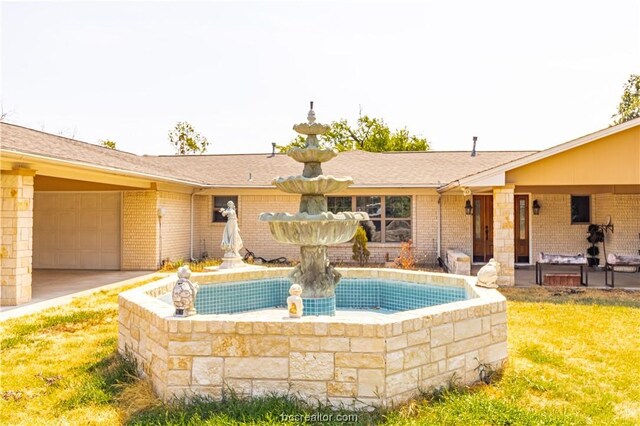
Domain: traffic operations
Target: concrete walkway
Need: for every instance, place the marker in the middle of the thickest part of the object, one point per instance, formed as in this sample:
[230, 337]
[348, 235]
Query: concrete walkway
[52, 287]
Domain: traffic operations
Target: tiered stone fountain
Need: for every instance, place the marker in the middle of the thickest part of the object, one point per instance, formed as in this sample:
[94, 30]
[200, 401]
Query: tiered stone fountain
[313, 228]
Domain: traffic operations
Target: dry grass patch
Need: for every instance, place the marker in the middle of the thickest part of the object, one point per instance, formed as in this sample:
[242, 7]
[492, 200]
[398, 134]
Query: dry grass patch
[60, 366]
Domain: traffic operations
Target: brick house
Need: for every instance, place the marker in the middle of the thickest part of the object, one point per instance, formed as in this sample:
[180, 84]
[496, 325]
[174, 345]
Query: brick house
[73, 205]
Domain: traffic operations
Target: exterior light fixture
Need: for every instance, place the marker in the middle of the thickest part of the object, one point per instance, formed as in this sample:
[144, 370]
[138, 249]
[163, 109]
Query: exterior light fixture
[536, 207]
[467, 208]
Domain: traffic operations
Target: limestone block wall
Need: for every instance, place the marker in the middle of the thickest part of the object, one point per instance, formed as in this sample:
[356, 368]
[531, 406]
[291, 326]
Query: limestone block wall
[503, 233]
[176, 231]
[140, 230]
[458, 263]
[16, 251]
[338, 361]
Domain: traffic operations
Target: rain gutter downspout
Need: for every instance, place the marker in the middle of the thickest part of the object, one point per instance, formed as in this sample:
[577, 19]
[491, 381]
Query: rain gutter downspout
[439, 233]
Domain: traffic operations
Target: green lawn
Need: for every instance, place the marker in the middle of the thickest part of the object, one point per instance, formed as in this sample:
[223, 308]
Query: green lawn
[574, 359]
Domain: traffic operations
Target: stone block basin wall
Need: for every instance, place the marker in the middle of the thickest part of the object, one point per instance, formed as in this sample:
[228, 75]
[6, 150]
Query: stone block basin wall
[357, 360]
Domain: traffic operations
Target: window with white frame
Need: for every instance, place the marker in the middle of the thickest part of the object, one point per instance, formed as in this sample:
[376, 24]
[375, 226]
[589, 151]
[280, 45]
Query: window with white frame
[389, 216]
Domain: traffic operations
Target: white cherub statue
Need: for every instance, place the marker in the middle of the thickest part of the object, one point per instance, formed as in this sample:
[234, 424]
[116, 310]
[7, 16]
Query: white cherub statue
[488, 274]
[294, 302]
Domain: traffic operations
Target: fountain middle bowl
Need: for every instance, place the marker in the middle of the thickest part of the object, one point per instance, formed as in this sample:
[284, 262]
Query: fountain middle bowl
[321, 229]
[318, 185]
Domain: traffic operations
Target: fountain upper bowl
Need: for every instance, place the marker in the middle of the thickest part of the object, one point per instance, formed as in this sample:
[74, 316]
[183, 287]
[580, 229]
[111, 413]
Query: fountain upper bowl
[311, 129]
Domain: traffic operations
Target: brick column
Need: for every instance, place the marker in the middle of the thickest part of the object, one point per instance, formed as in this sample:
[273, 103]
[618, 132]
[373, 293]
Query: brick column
[503, 236]
[17, 236]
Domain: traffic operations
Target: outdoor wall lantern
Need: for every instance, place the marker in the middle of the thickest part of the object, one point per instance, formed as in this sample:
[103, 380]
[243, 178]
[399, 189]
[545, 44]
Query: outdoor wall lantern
[536, 207]
[467, 207]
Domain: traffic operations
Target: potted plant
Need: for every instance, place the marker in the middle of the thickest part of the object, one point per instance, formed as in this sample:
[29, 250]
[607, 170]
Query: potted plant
[595, 235]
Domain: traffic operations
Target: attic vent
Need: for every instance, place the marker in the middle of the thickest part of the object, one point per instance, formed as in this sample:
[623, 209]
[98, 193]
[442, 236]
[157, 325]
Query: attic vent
[473, 151]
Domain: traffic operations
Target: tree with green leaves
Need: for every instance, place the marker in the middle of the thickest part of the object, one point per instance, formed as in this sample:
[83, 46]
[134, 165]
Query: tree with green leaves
[368, 134]
[629, 106]
[186, 140]
[108, 143]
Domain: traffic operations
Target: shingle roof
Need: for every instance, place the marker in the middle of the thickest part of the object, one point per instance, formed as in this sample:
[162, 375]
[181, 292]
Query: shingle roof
[29, 141]
[430, 168]
[425, 169]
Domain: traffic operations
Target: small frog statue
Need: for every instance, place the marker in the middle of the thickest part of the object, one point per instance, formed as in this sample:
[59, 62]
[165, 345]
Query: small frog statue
[294, 302]
[184, 294]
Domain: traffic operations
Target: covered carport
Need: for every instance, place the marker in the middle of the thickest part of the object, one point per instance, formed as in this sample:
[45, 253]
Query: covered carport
[69, 205]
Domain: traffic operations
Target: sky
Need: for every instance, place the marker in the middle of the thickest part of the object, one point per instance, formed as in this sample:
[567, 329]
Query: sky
[520, 75]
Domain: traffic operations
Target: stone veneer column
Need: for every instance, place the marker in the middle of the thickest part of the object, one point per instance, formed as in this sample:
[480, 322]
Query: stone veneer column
[17, 236]
[503, 233]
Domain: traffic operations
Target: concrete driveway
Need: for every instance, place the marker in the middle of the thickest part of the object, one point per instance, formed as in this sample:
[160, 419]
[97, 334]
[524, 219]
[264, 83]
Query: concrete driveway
[51, 287]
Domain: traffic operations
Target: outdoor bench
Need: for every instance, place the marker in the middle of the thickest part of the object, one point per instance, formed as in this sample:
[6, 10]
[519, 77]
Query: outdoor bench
[614, 260]
[562, 259]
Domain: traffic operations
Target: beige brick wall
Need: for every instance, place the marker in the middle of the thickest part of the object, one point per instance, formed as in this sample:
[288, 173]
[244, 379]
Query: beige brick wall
[552, 231]
[175, 225]
[257, 237]
[16, 251]
[626, 218]
[456, 225]
[140, 230]
[255, 234]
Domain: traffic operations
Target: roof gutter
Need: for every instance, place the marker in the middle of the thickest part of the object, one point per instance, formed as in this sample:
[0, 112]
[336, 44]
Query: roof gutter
[449, 186]
[112, 170]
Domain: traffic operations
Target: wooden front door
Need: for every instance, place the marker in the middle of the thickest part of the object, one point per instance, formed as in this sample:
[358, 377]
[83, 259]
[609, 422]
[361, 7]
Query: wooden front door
[482, 228]
[521, 228]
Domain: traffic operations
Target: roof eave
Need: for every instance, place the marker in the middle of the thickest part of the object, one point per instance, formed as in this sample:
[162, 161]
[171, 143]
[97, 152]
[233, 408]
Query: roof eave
[104, 169]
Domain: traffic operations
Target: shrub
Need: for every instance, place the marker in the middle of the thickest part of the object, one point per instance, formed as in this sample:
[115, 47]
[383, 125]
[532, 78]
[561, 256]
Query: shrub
[360, 252]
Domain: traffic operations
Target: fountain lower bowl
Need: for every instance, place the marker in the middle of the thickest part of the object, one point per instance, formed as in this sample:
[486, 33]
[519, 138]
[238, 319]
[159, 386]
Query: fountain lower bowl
[322, 229]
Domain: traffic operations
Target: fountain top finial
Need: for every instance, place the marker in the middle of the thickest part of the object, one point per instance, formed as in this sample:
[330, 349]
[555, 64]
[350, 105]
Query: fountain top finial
[311, 128]
[311, 116]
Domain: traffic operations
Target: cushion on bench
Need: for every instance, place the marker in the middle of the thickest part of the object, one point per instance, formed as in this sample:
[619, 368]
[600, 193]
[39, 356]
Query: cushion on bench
[562, 259]
[623, 260]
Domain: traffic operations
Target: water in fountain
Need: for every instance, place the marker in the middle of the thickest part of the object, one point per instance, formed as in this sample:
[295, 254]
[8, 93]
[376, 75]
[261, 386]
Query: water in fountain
[313, 228]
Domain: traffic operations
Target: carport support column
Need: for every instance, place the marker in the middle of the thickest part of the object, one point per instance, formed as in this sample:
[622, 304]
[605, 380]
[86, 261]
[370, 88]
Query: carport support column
[17, 236]
[503, 233]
